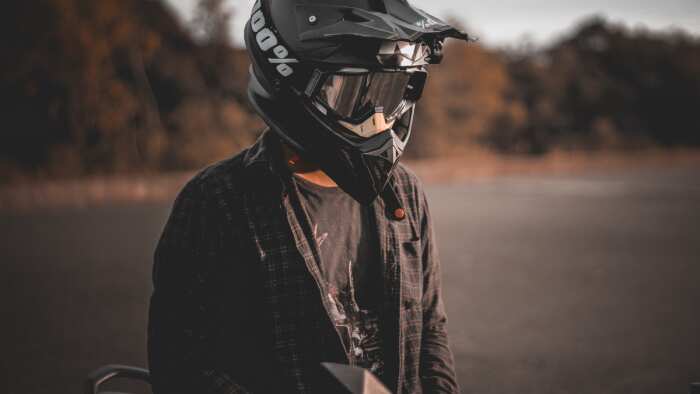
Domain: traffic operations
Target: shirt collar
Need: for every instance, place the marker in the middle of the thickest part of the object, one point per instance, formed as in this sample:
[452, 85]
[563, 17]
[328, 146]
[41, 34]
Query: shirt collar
[264, 162]
[264, 158]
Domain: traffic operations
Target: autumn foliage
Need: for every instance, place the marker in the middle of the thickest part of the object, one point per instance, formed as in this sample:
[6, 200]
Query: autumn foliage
[116, 86]
[121, 86]
[602, 87]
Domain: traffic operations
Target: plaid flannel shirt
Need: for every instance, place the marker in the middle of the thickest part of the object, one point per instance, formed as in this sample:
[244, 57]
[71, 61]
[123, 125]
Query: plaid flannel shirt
[237, 307]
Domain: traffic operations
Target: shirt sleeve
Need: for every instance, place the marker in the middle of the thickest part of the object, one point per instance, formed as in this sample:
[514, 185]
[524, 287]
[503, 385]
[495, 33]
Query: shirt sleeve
[437, 370]
[183, 303]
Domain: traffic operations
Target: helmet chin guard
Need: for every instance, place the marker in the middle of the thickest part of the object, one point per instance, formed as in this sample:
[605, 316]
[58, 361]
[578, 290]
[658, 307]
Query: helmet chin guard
[373, 125]
[338, 81]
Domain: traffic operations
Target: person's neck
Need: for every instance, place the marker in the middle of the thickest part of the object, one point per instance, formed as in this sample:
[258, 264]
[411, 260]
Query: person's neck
[306, 169]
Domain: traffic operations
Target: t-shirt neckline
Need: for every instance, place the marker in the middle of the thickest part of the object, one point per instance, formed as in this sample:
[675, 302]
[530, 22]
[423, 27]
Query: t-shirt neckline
[316, 187]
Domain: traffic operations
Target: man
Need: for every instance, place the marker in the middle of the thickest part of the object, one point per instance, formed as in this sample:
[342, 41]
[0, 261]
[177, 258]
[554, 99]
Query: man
[312, 245]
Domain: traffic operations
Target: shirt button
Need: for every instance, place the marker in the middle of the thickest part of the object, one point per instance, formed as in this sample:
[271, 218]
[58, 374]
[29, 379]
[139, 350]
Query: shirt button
[399, 214]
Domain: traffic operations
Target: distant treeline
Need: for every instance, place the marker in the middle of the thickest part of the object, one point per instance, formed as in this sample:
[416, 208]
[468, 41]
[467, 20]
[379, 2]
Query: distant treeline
[118, 86]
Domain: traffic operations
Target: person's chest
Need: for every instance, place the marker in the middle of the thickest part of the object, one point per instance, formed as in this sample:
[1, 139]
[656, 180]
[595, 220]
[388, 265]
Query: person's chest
[287, 255]
[290, 247]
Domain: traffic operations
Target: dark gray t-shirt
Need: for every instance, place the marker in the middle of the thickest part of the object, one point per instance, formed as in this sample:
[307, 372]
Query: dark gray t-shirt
[350, 269]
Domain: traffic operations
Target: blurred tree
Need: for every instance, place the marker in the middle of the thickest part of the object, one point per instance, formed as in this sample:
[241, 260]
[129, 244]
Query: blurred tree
[212, 22]
[466, 97]
[606, 85]
[98, 87]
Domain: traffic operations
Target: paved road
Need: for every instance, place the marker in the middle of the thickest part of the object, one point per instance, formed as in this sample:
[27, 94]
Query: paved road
[587, 284]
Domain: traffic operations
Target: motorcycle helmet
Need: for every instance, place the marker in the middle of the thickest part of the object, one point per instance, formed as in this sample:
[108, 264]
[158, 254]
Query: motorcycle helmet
[338, 80]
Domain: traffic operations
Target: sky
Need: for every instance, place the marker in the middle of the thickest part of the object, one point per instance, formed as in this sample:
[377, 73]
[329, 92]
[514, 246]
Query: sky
[507, 22]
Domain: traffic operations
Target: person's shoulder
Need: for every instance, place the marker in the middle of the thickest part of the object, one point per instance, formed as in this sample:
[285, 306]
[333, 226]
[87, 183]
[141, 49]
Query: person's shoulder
[407, 180]
[229, 170]
[225, 177]
[410, 191]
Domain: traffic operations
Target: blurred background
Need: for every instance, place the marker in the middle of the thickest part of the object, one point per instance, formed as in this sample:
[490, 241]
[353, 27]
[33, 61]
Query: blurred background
[561, 152]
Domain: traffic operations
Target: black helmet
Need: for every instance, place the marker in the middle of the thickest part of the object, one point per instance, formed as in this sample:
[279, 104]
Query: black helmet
[337, 81]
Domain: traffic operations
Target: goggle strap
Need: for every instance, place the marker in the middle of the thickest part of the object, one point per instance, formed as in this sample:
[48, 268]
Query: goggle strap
[313, 83]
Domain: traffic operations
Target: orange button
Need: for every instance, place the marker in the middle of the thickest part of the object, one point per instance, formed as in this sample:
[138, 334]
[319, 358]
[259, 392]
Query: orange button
[399, 213]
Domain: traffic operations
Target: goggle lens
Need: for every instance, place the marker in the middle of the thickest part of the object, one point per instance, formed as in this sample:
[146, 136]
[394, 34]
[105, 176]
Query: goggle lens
[341, 93]
[355, 97]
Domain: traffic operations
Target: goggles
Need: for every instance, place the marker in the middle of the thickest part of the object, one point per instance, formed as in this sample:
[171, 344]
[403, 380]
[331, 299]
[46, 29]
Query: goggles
[354, 96]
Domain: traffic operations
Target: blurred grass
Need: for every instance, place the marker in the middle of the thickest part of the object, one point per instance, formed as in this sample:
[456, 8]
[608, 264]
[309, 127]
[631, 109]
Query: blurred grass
[474, 165]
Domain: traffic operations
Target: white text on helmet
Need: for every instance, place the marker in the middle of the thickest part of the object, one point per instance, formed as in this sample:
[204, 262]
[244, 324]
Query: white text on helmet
[267, 40]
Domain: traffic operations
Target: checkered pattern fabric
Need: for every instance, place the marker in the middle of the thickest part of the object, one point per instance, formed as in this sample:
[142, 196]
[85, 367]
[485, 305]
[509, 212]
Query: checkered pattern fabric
[237, 306]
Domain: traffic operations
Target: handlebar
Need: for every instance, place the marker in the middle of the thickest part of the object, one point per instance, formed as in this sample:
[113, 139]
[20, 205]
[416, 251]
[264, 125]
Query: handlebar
[113, 371]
